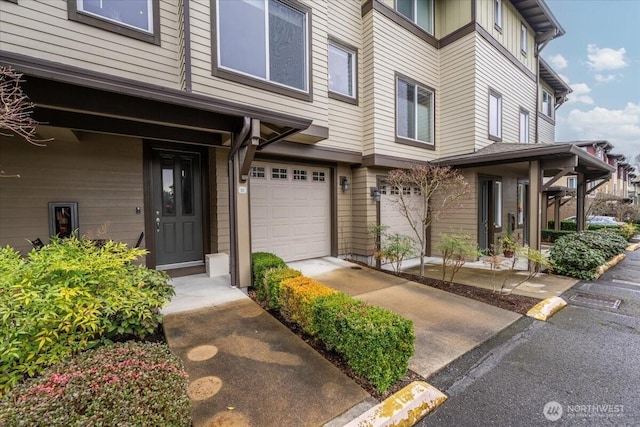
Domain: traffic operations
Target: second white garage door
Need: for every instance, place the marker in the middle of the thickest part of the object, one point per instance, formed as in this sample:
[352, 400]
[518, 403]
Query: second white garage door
[290, 210]
[390, 215]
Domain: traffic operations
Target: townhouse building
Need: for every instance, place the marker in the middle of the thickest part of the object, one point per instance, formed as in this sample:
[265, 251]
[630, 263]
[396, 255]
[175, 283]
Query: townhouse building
[195, 127]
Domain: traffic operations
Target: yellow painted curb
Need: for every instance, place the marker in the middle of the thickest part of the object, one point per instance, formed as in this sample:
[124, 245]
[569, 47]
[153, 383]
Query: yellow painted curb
[546, 308]
[607, 265]
[633, 247]
[404, 408]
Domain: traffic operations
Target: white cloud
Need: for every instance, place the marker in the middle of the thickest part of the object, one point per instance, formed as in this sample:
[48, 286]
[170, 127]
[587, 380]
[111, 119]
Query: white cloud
[601, 59]
[558, 62]
[605, 78]
[579, 94]
[620, 127]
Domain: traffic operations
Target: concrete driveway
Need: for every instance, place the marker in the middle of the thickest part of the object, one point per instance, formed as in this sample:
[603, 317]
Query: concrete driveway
[446, 325]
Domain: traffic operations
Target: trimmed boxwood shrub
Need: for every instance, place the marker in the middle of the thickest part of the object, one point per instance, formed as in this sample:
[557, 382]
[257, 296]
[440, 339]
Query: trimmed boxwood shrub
[296, 298]
[580, 254]
[262, 262]
[376, 343]
[270, 286]
[126, 384]
[69, 296]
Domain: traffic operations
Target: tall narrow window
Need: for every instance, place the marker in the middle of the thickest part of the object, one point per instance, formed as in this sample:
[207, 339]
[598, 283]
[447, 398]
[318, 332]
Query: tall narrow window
[547, 104]
[521, 204]
[497, 13]
[523, 39]
[419, 12]
[265, 39]
[414, 111]
[524, 127]
[342, 70]
[497, 203]
[495, 116]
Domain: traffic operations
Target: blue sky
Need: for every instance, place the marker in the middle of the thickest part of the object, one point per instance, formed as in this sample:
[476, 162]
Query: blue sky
[599, 56]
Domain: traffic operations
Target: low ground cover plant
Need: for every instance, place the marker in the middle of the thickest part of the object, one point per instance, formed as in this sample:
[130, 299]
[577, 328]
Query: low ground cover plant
[580, 254]
[124, 384]
[70, 296]
[376, 343]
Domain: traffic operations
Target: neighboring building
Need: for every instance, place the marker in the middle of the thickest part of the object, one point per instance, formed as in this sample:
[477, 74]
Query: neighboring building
[232, 127]
[634, 189]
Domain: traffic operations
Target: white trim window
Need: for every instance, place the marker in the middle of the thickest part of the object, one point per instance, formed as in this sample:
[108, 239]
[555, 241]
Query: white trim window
[137, 14]
[414, 111]
[497, 204]
[420, 12]
[342, 70]
[572, 182]
[497, 13]
[547, 104]
[495, 116]
[523, 39]
[264, 39]
[520, 204]
[524, 127]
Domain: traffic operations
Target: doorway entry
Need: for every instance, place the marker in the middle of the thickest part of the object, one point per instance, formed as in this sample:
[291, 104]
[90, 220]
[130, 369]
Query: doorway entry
[177, 208]
[489, 211]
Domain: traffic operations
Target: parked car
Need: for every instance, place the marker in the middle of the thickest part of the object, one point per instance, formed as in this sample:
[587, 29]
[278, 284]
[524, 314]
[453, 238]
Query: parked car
[598, 220]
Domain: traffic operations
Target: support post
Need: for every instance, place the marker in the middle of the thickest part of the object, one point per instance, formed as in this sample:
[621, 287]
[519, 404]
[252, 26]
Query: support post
[556, 213]
[535, 196]
[581, 192]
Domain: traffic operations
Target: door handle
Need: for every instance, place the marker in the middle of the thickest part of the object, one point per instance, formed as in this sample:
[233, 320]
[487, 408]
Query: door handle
[157, 224]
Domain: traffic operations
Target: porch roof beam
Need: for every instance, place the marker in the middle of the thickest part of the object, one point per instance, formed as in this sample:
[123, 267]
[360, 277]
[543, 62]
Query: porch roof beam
[595, 187]
[557, 176]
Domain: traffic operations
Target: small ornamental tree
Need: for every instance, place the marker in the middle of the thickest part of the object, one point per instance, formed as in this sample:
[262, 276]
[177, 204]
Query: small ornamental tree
[436, 190]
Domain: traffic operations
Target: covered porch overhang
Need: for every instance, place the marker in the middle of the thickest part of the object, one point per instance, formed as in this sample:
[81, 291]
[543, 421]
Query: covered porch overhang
[71, 102]
[543, 165]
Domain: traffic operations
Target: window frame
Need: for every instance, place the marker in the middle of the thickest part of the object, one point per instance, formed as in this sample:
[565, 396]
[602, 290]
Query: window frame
[432, 116]
[498, 96]
[74, 13]
[415, 21]
[524, 113]
[218, 70]
[573, 179]
[524, 39]
[520, 204]
[497, 14]
[338, 44]
[550, 107]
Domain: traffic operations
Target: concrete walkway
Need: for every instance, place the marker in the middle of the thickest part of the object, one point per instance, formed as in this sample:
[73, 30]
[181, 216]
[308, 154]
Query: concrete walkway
[446, 325]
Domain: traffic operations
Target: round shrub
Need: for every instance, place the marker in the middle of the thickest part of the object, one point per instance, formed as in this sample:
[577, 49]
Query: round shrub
[125, 384]
[573, 257]
[263, 262]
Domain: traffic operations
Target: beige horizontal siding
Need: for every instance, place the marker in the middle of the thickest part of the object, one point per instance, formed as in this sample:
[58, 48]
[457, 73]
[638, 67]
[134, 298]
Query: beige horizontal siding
[363, 210]
[103, 174]
[509, 37]
[546, 131]
[451, 15]
[494, 71]
[455, 111]
[344, 214]
[41, 29]
[221, 196]
[395, 50]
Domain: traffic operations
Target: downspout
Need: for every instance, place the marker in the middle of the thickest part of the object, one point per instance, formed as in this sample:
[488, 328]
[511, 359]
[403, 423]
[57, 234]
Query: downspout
[233, 225]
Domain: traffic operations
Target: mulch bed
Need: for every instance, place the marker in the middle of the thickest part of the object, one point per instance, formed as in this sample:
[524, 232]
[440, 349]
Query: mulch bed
[517, 303]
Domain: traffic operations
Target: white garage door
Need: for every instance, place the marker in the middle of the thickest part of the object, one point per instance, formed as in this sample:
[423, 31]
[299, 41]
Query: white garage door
[290, 210]
[390, 215]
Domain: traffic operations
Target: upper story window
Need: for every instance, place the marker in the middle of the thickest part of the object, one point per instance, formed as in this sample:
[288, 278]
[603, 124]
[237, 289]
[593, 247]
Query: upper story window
[414, 111]
[342, 71]
[523, 39]
[134, 18]
[547, 104]
[572, 182]
[497, 13]
[266, 40]
[524, 126]
[495, 116]
[419, 12]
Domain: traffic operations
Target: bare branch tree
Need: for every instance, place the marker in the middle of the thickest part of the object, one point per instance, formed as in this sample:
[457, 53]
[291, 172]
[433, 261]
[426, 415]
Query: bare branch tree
[15, 108]
[439, 189]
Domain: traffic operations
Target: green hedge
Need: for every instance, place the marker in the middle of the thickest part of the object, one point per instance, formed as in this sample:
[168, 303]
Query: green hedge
[553, 235]
[580, 254]
[69, 296]
[263, 262]
[126, 384]
[376, 343]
